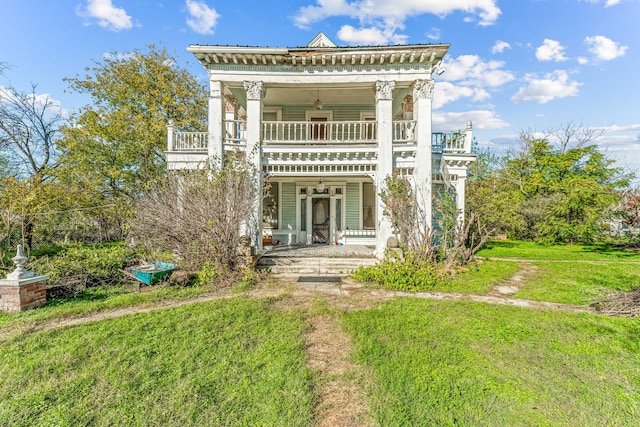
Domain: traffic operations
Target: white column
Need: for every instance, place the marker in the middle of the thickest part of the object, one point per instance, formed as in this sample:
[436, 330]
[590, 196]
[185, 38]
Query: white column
[255, 93]
[216, 120]
[384, 118]
[170, 135]
[460, 187]
[422, 93]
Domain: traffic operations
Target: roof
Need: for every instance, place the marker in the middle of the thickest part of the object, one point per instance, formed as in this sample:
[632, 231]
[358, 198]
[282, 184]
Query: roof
[320, 52]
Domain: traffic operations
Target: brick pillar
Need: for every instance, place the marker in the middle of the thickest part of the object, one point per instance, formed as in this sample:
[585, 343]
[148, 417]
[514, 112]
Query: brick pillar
[23, 294]
[22, 289]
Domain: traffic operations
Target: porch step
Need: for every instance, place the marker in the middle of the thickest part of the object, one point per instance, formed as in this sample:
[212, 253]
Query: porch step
[292, 266]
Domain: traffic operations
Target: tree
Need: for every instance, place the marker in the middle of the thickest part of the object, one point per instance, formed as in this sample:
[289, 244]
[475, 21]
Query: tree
[492, 196]
[112, 150]
[568, 186]
[29, 129]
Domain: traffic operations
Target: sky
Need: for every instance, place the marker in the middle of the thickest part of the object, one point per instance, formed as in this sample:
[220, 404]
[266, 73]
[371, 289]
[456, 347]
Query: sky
[512, 66]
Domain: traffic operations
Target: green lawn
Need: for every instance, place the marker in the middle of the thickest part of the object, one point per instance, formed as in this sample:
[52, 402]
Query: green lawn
[98, 299]
[233, 362]
[535, 251]
[578, 283]
[456, 363]
[480, 278]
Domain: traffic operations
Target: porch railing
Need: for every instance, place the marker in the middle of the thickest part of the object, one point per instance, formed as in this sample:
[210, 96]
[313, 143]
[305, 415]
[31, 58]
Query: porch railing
[455, 142]
[359, 132]
[319, 133]
[404, 131]
[190, 141]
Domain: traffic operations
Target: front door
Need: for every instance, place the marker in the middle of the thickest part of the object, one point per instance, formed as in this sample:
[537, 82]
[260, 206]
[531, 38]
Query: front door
[320, 220]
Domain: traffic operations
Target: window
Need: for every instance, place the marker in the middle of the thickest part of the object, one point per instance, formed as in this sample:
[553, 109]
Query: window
[368, 206]
[270, 207]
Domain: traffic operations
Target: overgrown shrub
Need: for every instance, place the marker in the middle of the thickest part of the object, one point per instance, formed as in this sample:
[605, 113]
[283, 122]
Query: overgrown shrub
[197, 216]
[409, 275]
[452, 242]
[79, 267]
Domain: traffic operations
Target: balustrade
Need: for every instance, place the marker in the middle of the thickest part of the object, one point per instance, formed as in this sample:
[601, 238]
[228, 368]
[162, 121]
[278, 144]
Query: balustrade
[318, 133]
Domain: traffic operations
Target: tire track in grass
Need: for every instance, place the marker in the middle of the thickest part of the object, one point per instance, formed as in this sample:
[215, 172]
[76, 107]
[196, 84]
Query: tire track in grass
[341, 402]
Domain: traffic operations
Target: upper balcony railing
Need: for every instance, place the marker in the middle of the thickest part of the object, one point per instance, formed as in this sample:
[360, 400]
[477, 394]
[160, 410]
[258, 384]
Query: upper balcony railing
[320, 133]
[455, 142]
[360, 132]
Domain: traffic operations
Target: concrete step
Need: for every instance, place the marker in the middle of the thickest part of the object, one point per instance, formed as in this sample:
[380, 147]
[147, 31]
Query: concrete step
[312, 265]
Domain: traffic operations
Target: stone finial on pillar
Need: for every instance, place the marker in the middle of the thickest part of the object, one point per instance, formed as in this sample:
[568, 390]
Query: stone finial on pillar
[20, 272]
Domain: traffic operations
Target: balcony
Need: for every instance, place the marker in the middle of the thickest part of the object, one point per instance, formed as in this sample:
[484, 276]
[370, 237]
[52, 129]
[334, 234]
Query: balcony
[328, 136]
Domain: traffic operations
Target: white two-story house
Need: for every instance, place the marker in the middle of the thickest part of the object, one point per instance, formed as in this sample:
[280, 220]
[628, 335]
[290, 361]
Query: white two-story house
[324, 125]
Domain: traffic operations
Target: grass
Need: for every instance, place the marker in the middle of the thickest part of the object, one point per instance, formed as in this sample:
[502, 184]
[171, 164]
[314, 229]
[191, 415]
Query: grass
[461, 363]
[98, 299]
[480, 278]
[535, 251]
[578, 283]
[227, 363]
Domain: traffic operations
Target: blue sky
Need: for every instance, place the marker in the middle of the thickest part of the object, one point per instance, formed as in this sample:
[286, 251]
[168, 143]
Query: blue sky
[512, 66]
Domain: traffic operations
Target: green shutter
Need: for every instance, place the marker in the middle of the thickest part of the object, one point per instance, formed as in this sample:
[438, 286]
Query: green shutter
[354, 206]
[288, 207]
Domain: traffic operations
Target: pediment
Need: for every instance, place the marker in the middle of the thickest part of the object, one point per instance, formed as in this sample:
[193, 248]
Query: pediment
[321, 40]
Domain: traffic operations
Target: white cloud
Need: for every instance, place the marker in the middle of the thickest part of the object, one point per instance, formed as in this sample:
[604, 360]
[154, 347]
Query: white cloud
[389, 16]
[500, 46]
[108, 16]
[434, 33]
[445, 92]
[552, 86]
[551, 50]
[40, 101]
[471, 70]
[202, 19]
[481, 120]
[607, 3]
[368, 36]
[604, 49]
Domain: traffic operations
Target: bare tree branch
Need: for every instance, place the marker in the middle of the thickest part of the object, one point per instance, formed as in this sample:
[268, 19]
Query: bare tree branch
[29, 128]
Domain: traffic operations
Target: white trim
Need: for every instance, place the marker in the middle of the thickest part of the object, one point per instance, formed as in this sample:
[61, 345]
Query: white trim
[327, 114]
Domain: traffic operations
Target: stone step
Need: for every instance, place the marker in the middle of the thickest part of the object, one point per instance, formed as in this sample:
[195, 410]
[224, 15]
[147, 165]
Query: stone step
[313, 265]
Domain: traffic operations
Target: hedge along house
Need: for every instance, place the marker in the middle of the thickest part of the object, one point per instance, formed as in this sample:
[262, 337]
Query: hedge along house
[324, 125]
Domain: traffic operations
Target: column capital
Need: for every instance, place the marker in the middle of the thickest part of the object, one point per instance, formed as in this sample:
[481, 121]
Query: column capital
[423, 89]
[255, 90]
[384, 90]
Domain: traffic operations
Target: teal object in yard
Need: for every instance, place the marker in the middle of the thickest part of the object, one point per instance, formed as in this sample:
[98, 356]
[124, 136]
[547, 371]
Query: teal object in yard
[150, 274]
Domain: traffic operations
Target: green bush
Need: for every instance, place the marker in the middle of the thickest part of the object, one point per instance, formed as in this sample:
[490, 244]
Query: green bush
[408, 275]
[83, 266]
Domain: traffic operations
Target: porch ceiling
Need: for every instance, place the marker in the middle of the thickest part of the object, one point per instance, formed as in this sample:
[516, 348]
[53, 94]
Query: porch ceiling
[335, 94]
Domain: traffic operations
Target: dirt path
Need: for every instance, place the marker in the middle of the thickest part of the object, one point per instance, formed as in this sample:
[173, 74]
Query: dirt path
[341, 402]
[515, 282]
